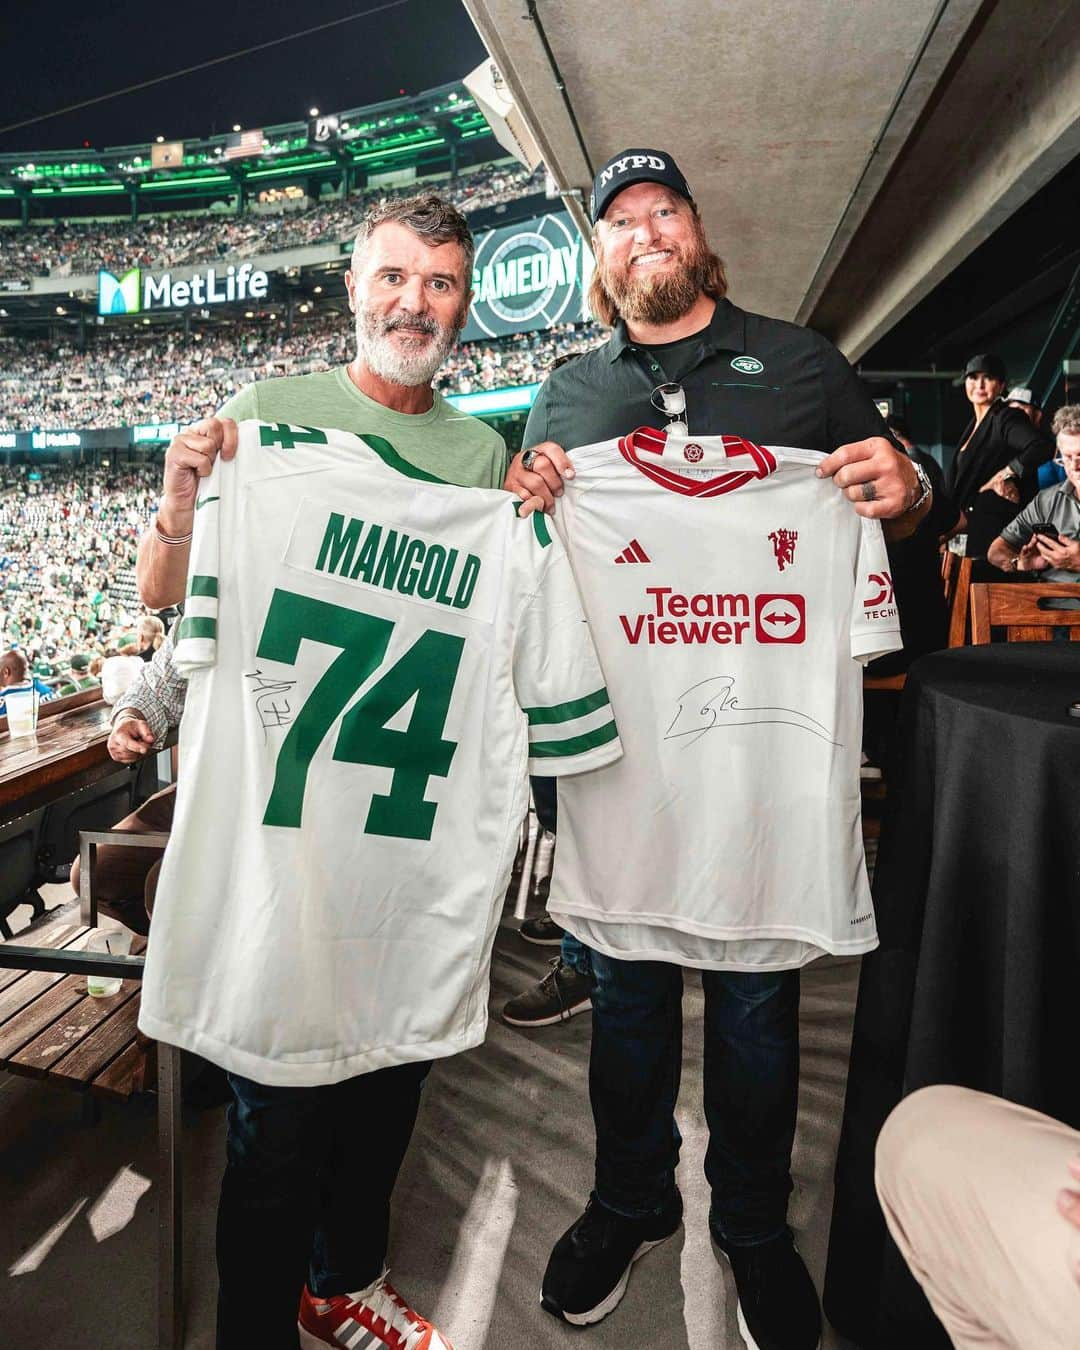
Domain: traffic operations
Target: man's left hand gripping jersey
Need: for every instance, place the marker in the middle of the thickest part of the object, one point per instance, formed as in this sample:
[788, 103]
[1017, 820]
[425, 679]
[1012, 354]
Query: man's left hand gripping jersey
[375, 657]
[733, 596]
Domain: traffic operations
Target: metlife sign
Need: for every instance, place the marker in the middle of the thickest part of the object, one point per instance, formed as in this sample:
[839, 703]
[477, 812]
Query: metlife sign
[528, 276]
[136, 291]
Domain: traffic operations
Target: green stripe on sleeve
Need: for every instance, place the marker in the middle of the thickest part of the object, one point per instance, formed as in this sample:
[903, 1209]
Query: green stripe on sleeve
[576, 745]
[196, 628]
[540, 525]
[566, 712]
[203, 586]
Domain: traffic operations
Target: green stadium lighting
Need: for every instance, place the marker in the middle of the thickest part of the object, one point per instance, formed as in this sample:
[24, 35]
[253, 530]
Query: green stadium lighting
[292, 168]
[518, 398]
[209, 181]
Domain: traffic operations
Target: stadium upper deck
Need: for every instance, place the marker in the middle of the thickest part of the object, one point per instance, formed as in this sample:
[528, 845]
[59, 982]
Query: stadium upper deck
[437, 131]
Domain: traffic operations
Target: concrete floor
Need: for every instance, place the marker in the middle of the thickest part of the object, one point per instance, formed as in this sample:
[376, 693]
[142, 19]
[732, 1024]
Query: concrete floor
[500, 1165]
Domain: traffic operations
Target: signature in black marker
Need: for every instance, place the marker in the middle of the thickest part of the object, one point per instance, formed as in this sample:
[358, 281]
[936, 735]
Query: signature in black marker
[713, 704]
[271, 700]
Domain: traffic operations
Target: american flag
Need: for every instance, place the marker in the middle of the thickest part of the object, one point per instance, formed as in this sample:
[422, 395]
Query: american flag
[244, 143]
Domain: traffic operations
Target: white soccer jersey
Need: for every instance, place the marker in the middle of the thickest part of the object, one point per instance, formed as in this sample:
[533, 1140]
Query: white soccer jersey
[732, 596]
[374, 657]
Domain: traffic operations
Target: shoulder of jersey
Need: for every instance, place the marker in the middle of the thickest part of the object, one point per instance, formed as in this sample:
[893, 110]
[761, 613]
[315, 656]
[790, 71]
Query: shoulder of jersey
[531, 531]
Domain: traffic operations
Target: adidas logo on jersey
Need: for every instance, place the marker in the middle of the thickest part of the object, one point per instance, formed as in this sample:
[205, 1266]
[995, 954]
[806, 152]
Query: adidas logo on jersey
[720, 617]
[633, 553]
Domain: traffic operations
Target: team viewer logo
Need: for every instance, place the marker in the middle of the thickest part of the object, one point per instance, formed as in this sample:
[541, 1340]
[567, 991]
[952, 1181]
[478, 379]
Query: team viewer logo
[119, 295]
[783, 542]
[780, 618]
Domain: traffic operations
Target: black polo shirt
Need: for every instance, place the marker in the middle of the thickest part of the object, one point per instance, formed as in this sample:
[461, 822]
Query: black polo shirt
[769, 381]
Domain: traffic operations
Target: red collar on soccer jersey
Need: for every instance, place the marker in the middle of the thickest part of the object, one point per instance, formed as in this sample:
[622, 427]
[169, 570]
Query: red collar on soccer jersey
[647, 441]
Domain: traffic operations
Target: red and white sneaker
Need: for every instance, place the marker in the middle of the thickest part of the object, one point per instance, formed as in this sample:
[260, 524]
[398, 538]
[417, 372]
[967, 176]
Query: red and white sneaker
[376, 1318]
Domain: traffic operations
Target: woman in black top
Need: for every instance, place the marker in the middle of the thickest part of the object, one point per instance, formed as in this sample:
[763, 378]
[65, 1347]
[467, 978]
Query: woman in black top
[994, 471]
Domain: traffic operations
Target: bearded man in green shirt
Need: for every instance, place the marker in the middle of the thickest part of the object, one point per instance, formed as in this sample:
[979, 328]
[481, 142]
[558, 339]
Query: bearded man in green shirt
[294, 1225]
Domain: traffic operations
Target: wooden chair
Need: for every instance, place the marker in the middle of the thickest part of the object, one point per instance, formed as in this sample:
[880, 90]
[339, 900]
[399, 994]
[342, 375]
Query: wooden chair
[956, 580]
[1022, 612]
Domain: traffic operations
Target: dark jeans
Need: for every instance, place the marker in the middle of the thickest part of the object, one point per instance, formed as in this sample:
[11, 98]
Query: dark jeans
[306, 1195]
[751, 1076]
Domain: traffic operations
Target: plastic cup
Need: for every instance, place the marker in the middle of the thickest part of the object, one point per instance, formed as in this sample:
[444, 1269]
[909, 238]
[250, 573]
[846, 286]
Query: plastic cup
[111, 942]
[22, 709]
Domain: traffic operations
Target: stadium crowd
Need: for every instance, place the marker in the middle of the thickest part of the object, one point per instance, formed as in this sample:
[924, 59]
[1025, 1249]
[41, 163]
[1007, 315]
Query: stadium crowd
[67, 551]
[71, 248]
[125, 378]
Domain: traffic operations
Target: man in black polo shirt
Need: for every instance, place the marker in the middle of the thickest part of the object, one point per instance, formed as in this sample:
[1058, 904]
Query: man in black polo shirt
[664, 291]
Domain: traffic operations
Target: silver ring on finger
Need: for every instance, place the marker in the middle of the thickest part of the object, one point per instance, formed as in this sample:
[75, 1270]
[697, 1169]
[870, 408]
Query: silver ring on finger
[528, 459]
[869, 492]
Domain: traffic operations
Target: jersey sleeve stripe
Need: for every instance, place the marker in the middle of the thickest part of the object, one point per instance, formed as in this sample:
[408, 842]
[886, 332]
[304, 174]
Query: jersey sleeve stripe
[574, 745]
[567, 712]
[196, 628]
[203, 586]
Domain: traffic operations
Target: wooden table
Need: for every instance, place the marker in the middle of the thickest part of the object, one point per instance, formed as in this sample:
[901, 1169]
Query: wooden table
[51, 1028]
[68, 751]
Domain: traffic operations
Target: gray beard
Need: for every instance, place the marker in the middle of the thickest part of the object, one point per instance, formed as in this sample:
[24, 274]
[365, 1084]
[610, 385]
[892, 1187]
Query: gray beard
[379, 351]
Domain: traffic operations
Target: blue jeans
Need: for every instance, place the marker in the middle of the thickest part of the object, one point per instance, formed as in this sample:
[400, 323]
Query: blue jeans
[306, 1195]
[751, 1080]
[545, 799]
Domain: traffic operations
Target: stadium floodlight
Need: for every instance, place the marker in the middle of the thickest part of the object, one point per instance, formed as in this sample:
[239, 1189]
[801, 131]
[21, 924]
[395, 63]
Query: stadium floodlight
[236, 126]
[60, 309]
[495, 100]
[313, 112]
[161, 140]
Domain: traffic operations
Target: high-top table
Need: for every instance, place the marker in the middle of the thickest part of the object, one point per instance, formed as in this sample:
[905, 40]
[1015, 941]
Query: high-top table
[977, 893]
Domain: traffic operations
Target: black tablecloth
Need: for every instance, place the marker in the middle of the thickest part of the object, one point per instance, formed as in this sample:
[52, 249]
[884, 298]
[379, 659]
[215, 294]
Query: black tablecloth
[977, 978]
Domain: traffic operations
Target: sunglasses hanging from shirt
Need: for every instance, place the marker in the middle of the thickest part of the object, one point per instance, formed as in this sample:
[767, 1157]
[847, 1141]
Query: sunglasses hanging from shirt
[670, 399]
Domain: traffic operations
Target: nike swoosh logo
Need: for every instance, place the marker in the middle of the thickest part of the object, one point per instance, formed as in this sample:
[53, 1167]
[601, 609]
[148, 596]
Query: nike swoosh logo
[205, 501]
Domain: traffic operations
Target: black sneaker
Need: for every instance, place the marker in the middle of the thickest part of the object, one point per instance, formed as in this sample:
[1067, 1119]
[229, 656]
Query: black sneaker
[562, 993]
[544, 931]
[590, 1265]
[778, 1305]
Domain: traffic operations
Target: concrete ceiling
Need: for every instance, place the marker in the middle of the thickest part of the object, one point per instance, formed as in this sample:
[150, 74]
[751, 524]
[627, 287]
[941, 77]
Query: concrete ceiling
[845, 156]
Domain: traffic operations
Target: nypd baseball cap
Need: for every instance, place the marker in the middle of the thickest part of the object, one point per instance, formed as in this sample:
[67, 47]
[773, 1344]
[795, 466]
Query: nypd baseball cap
[635, 166]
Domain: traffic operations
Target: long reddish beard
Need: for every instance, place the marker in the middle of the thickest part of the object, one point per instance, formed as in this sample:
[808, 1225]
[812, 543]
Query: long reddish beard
[658, 299]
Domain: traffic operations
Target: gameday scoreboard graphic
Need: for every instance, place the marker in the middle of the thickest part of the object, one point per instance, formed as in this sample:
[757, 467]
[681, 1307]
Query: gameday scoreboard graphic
[528, 276]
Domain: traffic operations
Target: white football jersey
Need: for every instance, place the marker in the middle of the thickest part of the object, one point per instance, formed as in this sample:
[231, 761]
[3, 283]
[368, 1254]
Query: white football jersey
[733, 597]
[374, 657]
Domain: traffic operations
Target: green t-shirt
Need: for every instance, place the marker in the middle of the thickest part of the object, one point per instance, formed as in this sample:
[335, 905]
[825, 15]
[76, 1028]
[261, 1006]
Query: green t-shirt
[451, 445]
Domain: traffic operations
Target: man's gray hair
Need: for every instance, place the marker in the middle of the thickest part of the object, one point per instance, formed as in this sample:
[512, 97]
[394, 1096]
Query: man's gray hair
[1067, 420]
[430, 218]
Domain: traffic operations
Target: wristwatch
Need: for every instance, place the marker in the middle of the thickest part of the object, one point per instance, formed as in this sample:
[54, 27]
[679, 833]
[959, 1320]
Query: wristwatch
[926, 488]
